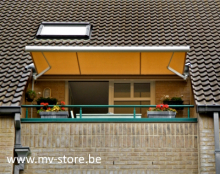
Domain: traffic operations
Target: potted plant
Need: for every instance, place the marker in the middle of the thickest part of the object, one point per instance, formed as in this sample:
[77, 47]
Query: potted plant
[50, 101]
[161, 111]
[54, 112]
[173, 101]
[30, 95]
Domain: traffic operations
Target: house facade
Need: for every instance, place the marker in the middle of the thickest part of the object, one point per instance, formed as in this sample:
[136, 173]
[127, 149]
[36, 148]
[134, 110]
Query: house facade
[109, 62]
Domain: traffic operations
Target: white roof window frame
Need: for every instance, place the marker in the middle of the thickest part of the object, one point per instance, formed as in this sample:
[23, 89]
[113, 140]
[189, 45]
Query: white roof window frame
[42, 34]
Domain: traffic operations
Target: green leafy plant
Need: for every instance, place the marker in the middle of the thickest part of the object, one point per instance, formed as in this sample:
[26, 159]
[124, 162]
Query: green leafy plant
[167, 98]
[176, 99]
[30, 95]
[50, 101]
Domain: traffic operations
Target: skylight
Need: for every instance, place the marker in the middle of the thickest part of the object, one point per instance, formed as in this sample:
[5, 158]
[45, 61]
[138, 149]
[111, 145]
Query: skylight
[64, 30]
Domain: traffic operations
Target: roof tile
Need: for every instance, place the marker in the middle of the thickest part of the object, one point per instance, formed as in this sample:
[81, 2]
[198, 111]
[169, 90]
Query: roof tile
[119, 23]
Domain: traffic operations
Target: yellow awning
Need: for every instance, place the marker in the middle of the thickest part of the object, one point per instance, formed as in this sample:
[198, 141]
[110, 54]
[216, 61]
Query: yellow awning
[108, 60]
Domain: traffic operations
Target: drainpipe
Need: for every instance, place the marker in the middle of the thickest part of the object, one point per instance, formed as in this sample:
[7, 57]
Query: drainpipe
[34, 74]
[20, 151]
[217, 148]
[215, 109]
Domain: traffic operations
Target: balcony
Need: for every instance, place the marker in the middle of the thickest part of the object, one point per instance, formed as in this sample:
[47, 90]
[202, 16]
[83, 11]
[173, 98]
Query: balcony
[134, 117]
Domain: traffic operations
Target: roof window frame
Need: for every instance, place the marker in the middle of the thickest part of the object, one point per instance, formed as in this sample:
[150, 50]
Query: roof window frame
[44, 36]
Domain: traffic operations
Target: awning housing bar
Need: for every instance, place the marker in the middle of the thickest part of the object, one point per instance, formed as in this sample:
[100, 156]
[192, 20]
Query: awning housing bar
[107, 49]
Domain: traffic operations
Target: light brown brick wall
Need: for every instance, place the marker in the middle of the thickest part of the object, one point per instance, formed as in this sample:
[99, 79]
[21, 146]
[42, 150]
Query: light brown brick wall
[57, 91]
[134, 147]
[206, 144]
[174, 89]
[171, 88]
[23, 110]
[7, 136]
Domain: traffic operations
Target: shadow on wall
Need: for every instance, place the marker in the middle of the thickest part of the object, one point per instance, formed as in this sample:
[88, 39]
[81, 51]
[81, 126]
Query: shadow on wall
[90, 93]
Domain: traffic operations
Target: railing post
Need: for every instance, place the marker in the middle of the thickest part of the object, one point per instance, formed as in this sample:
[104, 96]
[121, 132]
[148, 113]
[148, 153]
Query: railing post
[188, 112]
[80, 112]
[26, 112]
[134, 113]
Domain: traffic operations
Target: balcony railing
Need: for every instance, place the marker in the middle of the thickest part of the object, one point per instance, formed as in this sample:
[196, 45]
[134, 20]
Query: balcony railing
[134, 119]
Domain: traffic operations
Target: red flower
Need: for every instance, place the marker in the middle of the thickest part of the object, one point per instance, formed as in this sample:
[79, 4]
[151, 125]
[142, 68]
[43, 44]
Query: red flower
[158, 106]
[45, 105]
[149, 109]
[49, 108]
[63, 108]
[62, 103]
[166, 106]
[162, 106]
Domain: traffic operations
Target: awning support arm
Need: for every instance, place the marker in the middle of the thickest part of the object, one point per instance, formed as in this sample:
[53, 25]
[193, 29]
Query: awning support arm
[47, 69]
[174, 71]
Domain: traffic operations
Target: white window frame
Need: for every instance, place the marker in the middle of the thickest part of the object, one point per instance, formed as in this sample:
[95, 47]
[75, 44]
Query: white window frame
[131, 98]
[60, 30]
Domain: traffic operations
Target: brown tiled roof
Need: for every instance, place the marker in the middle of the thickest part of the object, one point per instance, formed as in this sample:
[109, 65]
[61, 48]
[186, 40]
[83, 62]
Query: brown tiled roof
[115, 22]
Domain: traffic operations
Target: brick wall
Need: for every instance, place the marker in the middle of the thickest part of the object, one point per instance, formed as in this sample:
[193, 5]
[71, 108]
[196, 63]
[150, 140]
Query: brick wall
[206, 144]
[171, 88]
[57, 91]
[124, 147]
[174, 89]
[7, 136]
[23, 110]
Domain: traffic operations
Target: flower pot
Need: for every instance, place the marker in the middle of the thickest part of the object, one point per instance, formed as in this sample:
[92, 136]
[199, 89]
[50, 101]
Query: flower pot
[29, 99]
[161, 114]
[30, 95]
[174, 103]
[59, 114]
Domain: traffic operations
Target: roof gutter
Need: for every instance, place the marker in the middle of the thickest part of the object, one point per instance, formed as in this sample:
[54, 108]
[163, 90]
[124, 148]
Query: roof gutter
[10, 109]
[207, 108]
[107, 49]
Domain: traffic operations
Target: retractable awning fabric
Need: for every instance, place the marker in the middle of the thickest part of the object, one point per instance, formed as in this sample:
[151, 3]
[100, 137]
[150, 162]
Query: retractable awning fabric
[135, 60]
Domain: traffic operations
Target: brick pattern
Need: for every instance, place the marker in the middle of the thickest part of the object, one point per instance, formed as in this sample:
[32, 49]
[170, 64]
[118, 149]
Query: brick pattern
[206, 144]
[57, 91]
[174, 89]
[7, 136]
[171, 88]
[132, 147]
